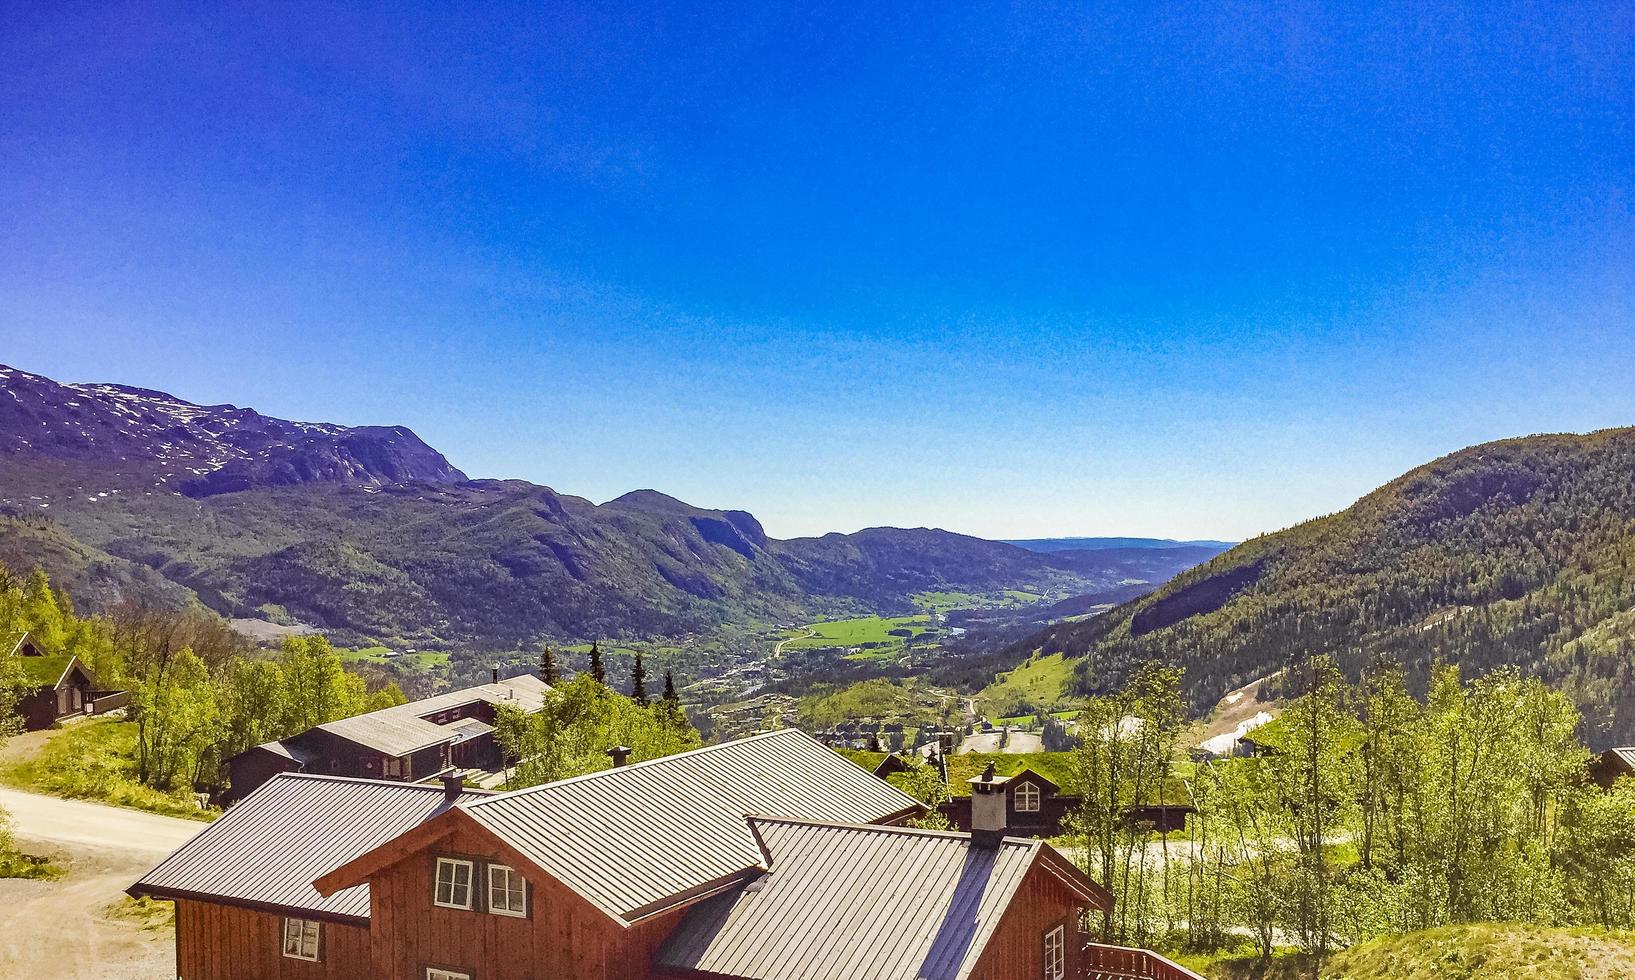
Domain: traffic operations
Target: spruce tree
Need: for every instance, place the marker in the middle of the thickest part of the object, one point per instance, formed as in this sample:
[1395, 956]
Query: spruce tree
[671, 698]
[596, 670]
[547, 666]
[638, 681]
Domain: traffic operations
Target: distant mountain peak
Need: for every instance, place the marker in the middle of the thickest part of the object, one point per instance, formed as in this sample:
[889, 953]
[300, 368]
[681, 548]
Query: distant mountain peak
[652, 501]
[160, 440]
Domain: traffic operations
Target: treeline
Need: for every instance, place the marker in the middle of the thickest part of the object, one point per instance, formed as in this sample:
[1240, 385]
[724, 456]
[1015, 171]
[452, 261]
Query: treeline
[199, 692]
[582, 719]
[1371, 812]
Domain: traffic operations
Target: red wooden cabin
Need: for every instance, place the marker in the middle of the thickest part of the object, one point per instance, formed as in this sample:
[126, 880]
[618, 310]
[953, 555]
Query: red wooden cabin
[768, 858]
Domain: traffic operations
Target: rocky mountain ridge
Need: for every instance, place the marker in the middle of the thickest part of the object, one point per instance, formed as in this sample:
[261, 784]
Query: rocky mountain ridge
[371, 534]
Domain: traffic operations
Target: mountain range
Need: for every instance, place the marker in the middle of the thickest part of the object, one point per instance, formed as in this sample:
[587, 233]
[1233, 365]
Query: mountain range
[1512, 553]
[371, 534]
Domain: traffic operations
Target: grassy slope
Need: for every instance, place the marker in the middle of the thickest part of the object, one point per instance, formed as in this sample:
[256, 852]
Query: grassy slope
[1041, 680]
[877, 698]
[95, 760]
[1490, 952]
[1503, 951]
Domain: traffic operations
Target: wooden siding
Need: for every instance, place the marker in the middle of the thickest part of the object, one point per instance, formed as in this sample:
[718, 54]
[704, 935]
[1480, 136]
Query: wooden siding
[1047, 821]
[247, 771]
[46, 705]
[224, 942]
[1017, 949]
[563, 938]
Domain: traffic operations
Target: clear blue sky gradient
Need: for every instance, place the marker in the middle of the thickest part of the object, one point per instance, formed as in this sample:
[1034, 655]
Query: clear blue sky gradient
[1017, 271]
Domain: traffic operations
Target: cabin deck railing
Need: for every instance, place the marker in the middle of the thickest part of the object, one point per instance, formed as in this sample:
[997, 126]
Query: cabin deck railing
[1100, 962]
[101, 702]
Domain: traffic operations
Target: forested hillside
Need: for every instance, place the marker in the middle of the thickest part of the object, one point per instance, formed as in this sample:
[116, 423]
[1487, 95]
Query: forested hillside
[1513, 552]
[370, 534]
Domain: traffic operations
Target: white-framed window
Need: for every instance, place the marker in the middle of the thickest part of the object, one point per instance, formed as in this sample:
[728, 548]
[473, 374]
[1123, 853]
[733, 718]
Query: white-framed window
[453, 884]
[394, 768]
[1027, 798]
[1056, 953]
[301, 938]
[433, 973]
[507, 892]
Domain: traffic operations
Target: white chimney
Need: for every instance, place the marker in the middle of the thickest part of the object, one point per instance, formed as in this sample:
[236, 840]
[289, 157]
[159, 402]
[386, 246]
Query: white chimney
[989, 806]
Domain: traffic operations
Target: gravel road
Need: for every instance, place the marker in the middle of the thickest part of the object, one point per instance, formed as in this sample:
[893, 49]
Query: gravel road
[61, 929]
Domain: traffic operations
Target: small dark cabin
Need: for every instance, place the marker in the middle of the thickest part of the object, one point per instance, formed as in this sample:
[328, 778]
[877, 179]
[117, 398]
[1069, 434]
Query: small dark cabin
[1036, 807]
[59, 687]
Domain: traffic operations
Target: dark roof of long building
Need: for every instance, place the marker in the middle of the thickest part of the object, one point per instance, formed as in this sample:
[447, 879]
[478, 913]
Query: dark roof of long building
[266, 851]
[841, 902]
[640, 838]
[403, 729]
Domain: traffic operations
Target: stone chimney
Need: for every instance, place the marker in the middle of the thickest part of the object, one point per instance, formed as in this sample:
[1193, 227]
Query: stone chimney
[989, 807]
[620, 754]
[454, 783]
[495, 673]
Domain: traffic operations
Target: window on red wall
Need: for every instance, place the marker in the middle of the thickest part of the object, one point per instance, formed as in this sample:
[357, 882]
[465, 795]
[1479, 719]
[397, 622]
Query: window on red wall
[1056, 953]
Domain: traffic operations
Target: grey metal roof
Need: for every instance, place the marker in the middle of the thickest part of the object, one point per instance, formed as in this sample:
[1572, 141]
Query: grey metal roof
[849, 903]
[401, 730]
[471, 728]
[638, 838]
[290, 749]
[266, 851]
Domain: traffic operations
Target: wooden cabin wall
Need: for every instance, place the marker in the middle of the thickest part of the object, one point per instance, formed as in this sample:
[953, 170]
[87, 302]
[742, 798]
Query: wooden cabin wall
[1017, 949]
[224, 942]
[563, 938]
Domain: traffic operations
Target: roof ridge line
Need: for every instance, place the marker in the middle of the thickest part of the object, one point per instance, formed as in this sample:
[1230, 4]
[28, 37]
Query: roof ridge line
[473, 689]
[955, 835]
[645, 762]
[337, 778]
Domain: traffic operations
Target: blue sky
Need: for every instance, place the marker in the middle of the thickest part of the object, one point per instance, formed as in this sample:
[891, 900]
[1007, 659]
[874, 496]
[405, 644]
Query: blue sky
[1015, 271]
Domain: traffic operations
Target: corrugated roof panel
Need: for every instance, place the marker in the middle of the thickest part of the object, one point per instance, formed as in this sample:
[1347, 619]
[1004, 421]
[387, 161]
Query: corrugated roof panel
[634, 837]
[269, 848]
[846, 902]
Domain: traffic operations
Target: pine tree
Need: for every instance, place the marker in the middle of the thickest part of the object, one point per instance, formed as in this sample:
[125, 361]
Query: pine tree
[547, 667]
[596, 670]
[671, 698]
[638, 681]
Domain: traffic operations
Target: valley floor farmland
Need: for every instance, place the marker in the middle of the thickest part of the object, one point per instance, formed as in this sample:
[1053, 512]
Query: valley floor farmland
[871, 635]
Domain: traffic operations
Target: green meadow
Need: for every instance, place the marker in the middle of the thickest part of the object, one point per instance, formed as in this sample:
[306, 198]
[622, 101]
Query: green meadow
[419, 660]
[856, 632]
